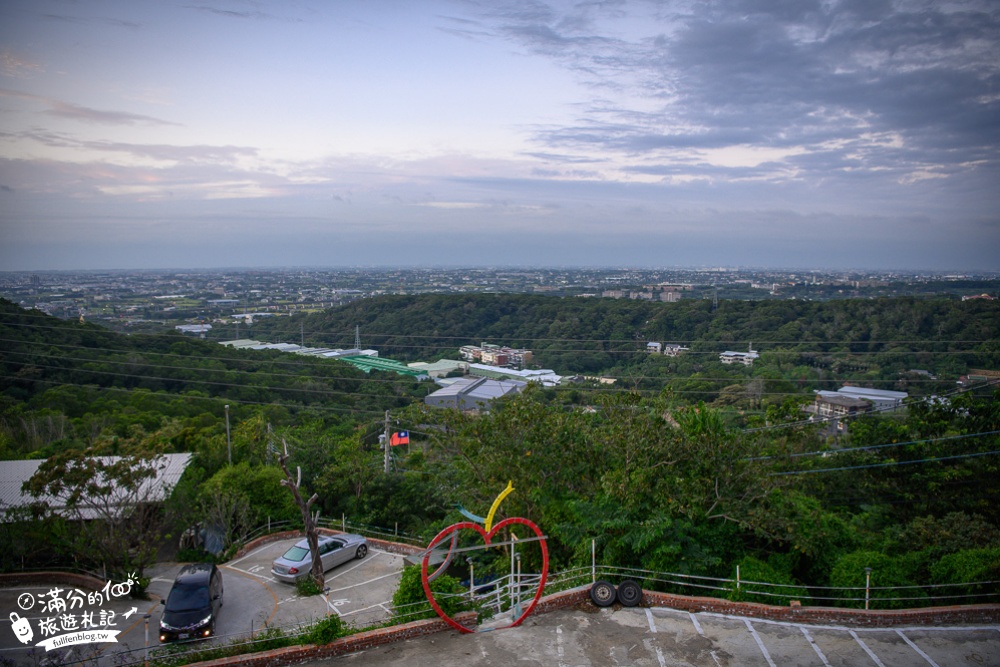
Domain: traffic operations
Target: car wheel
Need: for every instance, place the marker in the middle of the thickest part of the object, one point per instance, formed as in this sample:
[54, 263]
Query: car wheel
[629, 593]
[362, 551]
[602, 593]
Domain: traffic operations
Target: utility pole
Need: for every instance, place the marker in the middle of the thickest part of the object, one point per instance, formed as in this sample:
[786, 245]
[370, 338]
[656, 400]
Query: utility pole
[386, 444]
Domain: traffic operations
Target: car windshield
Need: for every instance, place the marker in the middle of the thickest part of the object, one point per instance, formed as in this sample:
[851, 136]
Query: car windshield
[296, 554]
[187, 598]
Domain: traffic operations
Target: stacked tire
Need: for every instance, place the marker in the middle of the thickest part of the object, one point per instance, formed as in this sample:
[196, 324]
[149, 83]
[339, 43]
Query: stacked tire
[604, 594]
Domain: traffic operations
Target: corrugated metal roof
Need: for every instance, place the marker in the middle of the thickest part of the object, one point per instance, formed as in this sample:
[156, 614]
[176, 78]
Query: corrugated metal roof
[13, 475]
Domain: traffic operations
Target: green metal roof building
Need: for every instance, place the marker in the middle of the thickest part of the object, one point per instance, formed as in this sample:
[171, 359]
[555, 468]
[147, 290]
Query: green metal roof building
[369, 364]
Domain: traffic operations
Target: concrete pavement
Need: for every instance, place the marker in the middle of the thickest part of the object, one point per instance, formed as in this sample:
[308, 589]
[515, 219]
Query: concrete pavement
[585, 636]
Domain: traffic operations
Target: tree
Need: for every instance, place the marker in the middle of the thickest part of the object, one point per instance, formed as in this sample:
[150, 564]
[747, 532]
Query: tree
[308, 518]
[113, 500]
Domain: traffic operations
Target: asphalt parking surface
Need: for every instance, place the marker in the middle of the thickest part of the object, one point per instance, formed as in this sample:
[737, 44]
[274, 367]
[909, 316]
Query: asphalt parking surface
[658, 637]
[360, 592]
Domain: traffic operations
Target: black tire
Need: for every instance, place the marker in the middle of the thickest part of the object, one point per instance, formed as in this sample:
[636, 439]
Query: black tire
[362, 551]
[602, 593]
[629, 593]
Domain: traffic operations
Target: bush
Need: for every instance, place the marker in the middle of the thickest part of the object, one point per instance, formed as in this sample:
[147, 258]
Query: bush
[326, 630]
[754, 570]
[306, 587]
[848, 576]
[410, 603]
[968, 567]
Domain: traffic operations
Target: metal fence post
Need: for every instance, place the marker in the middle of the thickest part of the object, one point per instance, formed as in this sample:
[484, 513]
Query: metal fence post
[737, 577]
[868, 585]
[593, 561]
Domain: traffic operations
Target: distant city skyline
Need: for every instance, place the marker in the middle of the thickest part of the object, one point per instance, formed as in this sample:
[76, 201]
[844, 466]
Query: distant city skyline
[838, 135]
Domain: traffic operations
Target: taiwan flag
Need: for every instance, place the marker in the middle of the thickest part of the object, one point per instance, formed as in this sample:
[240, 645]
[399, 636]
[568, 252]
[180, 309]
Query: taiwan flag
[400, 438]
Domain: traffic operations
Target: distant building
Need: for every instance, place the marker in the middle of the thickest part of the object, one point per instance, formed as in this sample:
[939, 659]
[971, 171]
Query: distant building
[199, 329]
[745, 358]
[669, 349]
[880, 399]
[440, 368]
[543, 376]
[670, 296]
[473, 393]
[832, 404]
[496, 355]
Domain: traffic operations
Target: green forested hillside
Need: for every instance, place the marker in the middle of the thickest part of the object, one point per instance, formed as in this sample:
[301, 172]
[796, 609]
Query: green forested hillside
[813, 344]
[684, 465]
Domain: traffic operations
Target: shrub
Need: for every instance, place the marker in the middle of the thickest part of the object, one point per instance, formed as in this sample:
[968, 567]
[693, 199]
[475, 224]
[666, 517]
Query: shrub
[410, 603]
[754, 572]
[970, 566]
[848, 576]
[326, 630]
[305, 586]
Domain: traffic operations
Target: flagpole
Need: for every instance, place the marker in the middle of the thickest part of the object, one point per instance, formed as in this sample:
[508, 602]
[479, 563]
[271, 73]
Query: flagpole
[387, 444]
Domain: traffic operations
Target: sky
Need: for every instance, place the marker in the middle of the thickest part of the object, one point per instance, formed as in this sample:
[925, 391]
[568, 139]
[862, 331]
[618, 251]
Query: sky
[758, 133]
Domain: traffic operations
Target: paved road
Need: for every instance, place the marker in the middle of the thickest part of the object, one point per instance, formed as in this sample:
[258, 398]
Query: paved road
[586, 636]
[360, 592]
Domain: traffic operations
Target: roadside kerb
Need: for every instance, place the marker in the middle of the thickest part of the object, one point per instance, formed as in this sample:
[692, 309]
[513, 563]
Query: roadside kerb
[931, 616]
[364, 640]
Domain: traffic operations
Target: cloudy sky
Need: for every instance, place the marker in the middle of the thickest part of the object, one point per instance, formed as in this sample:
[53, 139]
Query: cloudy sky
[222, 133]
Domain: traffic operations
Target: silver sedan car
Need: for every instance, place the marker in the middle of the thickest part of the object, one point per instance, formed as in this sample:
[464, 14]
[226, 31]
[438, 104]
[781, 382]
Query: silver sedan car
[334, 550]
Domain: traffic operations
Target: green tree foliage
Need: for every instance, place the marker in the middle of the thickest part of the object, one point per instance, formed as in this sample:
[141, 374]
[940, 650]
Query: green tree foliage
[409, 602]
[887, 573]
[117, 523]
[754, 574]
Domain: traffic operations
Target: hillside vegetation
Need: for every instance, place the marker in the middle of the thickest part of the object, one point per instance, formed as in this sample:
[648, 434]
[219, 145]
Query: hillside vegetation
[684, 465]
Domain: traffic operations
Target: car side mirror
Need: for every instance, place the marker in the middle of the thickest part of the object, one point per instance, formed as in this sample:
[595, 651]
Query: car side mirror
[163, 602]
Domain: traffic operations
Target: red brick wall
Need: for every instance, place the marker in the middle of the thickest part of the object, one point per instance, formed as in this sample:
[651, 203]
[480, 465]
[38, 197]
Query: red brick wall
[359, 642]
[957, 615]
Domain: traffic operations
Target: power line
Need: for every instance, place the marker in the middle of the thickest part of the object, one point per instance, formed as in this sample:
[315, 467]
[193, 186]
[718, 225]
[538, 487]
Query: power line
[885, 465]
[349, 335]
[864, 448]
[189, 397]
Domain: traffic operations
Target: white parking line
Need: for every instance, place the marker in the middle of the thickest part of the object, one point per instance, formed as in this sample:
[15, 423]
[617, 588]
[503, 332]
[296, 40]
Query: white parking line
[812, 642]
[916, 648]
[560, 651]
[362, 583]
[870, 653]
[760, 644]
[697, 625]
[360, 562]
[649, 617]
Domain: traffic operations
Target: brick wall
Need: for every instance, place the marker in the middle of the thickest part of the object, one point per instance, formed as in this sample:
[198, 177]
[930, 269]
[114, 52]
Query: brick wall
[956, 615]
[365, 640]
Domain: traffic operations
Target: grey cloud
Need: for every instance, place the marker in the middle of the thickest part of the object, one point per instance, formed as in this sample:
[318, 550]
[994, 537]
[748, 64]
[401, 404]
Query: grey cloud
[238, 13]
[102, 116]
[793, 73]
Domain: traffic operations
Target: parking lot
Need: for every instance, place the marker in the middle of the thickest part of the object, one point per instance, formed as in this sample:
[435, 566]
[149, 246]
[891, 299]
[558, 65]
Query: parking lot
[659, 637]
[360, 592]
